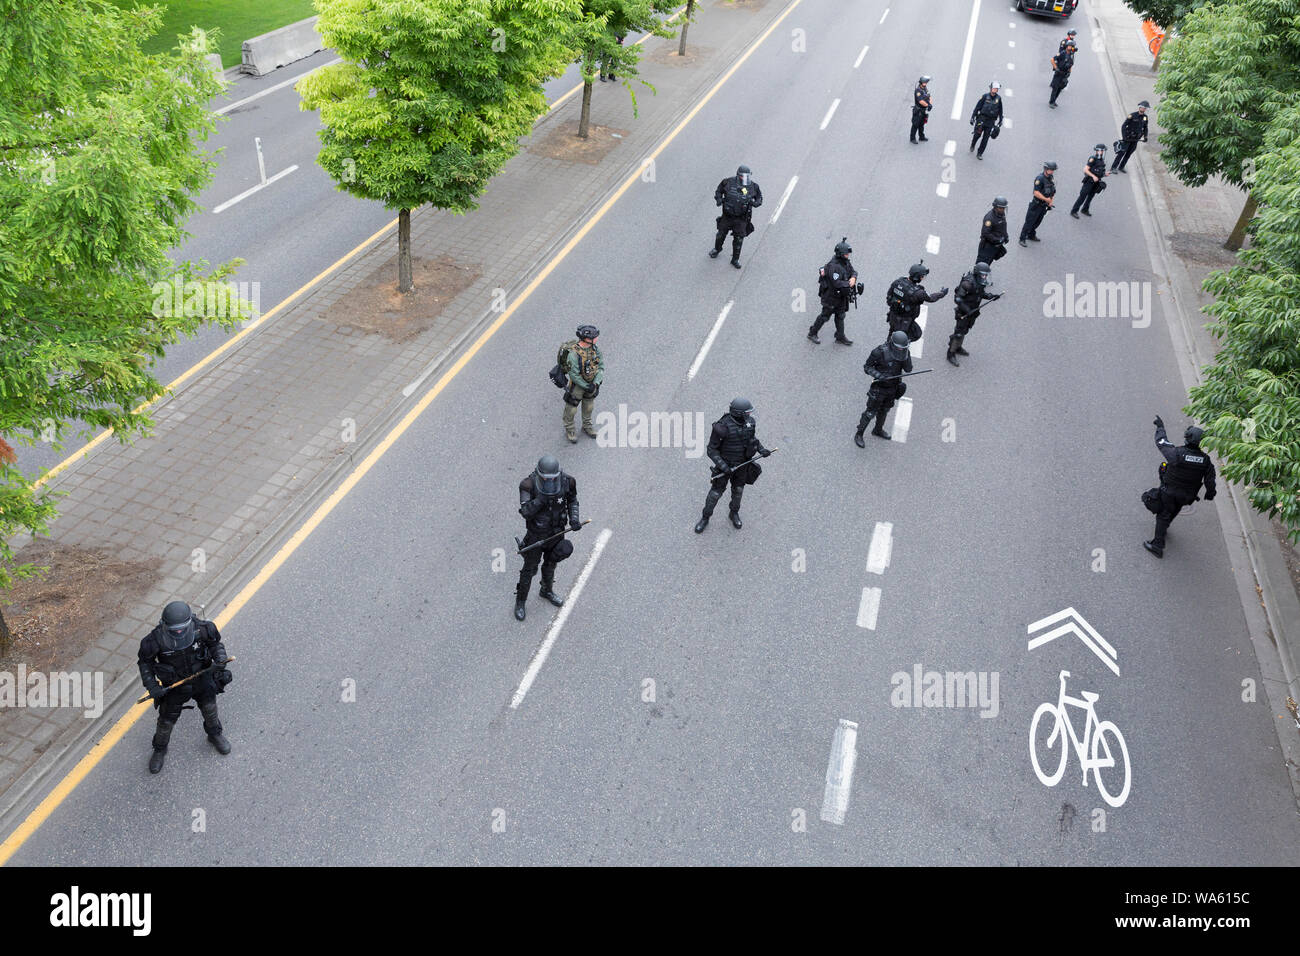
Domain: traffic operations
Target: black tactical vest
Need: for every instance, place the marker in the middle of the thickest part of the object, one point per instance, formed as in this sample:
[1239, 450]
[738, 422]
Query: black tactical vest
[171, 666]
[1186, 472]
[738, 443]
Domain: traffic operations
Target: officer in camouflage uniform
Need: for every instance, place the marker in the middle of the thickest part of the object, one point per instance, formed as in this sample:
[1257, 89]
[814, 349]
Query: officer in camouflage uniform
[179, 646]
[585, 369]
[732, 443]
[548, 498]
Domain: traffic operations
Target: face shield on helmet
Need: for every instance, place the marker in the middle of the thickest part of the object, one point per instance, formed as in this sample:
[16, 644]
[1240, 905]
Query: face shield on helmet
[546, 479]
[743, 174]
[741, 409]
[899, 345]
[178, 626]
[982, 273]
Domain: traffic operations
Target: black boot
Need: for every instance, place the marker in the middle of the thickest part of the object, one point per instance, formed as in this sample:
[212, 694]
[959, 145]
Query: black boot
[862, 427]
[713, 253]
[520, 612]
[952, 351]
[212, 727]
[857, 439]
[960, 349]
[843, 339]
[156, 760]
[710, 501]
[735, 262]
[734, 511]
[220, 742]
[1157, 549]
[547, 589]
[879, 430]
[812, 337]
[161, 735]
[701, 524]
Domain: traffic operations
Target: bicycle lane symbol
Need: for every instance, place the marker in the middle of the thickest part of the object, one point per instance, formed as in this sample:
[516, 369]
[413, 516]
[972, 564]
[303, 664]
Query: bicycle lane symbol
[1101, 746]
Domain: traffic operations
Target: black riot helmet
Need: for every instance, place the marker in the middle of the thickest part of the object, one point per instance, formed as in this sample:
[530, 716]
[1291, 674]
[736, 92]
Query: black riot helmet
[743, 173]
[1050, 166]
[741, 409]
[1144, 105]
[1100, 147]
[982, 273]
[178, 626]
[587, 332]
[918, 272]
[899, 345]
[842, 248]
[999, 202]
[1192, 437]
[546, 479]
[994, 86]
[924, 79]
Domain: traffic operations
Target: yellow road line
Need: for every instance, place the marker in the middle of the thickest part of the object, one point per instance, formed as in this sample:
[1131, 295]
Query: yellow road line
[91, 759]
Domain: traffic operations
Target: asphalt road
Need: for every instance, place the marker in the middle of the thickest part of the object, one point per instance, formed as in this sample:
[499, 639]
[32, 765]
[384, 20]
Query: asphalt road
[265, 229]
[751, 637]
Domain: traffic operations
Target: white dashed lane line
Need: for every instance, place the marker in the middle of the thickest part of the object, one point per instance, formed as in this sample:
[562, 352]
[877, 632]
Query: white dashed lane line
[784, 196]
[902, 419]
[942, 190]
[919, 345]
[839, 772]
[869, 608]
[950, 147]
[708, 342]
[829, 113]
[883, 15]
[858, 62]
[932, 245]
[882, 546]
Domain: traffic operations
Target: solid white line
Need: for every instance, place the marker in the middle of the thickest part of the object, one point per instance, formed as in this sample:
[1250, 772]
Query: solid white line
[829, 113]
[858, 62]
[869, 608]
[248, 192]
[839, 772]
[950, 147]
[882, 546]
[932, 245]
[708, 343]
[271, 89]
[883, 15]
[942, 190]
[428, 370]
[919, 345]
[902, 419]
[540, 657]
[960, 95]
[784, 196]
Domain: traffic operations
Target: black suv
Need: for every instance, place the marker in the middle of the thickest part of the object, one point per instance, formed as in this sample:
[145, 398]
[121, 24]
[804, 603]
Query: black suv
[1048, 8]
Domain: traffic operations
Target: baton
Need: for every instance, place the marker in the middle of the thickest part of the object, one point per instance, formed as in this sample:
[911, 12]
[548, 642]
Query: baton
[519, 542]
[186, 680]
[714, 474]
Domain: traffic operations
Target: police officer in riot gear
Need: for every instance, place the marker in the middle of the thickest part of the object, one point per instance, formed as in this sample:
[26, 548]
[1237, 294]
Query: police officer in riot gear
[1093, 173]
[182, 645]
[548, 501]
[1069, 41]
[732, 443]
[1044, 191]
[738, 196]
[904, 298]
[993, 234]
[922, 103]
[970, 293]
[986, 118]
[885, 365]
[1185, 469]
[1134, 128]
[837, 285]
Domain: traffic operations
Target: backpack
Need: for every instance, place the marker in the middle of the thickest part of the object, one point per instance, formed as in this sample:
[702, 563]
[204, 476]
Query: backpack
[559, 374]
[896, 295]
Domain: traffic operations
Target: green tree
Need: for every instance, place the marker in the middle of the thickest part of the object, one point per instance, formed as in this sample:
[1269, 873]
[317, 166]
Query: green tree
[688, 17]
[1249, 402]
[1224, 79]
[1165, 13]
[99, 161]
[432, 97]
[605, 25]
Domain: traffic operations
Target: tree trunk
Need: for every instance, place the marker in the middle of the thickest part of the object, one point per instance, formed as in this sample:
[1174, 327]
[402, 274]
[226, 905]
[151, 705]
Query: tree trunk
[404, 251]
[686, 25]
[1238, 236]
[585, 119]
[5, 639]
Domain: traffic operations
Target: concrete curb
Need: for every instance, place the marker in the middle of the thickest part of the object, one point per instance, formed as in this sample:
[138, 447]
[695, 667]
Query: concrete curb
[66, 750]
[1269, 600]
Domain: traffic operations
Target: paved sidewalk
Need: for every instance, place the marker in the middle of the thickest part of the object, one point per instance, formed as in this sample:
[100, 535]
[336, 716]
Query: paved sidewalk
[250, 444]
[1191, 227]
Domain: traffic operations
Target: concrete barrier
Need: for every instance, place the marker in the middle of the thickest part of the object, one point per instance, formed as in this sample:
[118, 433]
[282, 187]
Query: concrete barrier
[270, 51]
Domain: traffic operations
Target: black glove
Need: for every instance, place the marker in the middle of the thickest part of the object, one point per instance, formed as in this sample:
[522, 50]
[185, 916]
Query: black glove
[724, 467]
[902, 388]
[574, 524]
[1210, 497]
[943, 292]
[530, 507]
[1159, 422]
[222, 677]
[765, 452]
[157, 691]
